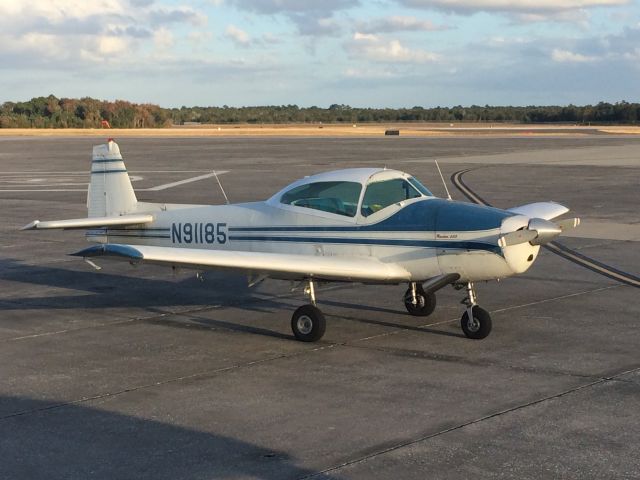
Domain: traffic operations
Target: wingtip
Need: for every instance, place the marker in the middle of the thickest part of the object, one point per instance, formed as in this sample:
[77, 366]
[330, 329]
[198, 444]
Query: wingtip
[31, 226]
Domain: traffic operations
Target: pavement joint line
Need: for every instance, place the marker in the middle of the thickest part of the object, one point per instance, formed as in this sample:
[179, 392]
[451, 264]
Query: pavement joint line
[437, 357]
[156, 316]
[561, 297]
[155, 384]
[166, 186]
[204, 374]
[401, 329]
[107, 324]
[461, 426]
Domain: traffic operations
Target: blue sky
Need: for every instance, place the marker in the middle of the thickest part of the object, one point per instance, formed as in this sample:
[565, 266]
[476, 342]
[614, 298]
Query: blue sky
[379, 53]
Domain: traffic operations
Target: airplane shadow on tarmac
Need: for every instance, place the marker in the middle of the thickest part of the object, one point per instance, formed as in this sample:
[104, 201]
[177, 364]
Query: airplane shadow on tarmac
[74, 441]
[102, 290]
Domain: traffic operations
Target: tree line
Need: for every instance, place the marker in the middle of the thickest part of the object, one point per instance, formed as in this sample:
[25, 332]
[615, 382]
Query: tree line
[52, 112]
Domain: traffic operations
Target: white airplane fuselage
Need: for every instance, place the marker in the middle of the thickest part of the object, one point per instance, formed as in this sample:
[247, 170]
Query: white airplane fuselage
[423, 235]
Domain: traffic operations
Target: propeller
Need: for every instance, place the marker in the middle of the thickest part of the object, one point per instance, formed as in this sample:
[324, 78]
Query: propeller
[538, 232]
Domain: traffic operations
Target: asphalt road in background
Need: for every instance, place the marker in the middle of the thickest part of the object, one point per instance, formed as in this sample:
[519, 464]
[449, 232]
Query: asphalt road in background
[137, 373]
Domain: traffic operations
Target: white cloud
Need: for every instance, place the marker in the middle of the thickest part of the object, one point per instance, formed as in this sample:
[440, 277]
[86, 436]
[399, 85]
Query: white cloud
[311, 17]
[398, 23]
[163, 38]
[566, 56]
[468, 6]
[524, 11]
[237, 35]
[367, 37]
[74, 33]
[322, 8]
[368, 73]
[108, 46]
[375, 48]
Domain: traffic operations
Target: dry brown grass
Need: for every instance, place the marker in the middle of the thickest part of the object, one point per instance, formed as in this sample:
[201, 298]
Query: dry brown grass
[366, 130]
[623, 130]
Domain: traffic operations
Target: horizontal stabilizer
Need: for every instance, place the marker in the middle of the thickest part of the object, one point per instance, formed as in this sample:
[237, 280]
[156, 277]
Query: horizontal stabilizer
[115, 220]
[278, 265]
[544, 210]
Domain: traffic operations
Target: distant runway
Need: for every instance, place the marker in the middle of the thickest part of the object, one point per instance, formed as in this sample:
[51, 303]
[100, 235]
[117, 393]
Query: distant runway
[143, 373]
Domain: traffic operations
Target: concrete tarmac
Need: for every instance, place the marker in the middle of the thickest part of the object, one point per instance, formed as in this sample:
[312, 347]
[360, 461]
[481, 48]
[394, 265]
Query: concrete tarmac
[137, 373]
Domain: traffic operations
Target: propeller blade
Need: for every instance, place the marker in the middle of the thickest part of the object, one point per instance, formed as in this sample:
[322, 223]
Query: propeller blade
[539, 232]
[546, 230]
[517, 237]
[568, 223]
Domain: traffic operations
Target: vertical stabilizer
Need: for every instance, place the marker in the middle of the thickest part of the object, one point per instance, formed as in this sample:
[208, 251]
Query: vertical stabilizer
[110, 191]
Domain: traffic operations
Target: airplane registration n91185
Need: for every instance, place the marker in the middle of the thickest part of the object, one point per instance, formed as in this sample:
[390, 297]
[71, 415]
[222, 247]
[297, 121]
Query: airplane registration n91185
[366, 225]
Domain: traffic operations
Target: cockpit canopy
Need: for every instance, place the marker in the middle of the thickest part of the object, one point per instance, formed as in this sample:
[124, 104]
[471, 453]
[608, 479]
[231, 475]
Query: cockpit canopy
[341, 192]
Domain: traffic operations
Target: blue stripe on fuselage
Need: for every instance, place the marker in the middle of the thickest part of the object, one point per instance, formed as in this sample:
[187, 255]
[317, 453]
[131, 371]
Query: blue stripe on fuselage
[429, 215]
[461, 245]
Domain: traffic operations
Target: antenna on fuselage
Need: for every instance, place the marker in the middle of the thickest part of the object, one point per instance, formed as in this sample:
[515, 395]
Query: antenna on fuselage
[443, 182]
[221, 189]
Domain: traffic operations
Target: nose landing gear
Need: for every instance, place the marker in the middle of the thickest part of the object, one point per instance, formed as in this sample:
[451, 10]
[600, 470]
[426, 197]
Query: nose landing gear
[476, 321]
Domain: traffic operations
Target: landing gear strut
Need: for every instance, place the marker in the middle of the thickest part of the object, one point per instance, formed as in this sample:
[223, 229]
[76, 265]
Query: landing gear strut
[308, 322]
[418, 302]
[476, 321]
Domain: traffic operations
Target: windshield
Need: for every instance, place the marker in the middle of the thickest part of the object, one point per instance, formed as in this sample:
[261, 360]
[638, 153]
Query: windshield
[340, 198]
[424, 190]
[380, 195]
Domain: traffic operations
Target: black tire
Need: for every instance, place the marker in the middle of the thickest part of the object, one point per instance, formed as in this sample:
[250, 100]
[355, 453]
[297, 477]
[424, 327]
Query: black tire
[426, 302]
[308, 323]
[480, 327]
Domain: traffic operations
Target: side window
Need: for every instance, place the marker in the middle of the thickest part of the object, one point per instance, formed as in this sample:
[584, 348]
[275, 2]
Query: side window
[340, 198]
[380, 195]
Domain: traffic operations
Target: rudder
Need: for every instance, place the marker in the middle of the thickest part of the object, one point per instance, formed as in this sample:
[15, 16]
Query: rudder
[110, 190]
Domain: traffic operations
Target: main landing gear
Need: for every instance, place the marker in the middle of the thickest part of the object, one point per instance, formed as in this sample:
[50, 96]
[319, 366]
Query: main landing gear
[418, 302]
[308, 322]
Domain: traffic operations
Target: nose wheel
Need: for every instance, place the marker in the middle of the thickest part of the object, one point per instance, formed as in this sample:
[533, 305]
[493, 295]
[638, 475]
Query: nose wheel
[477, 325]
[476, 321]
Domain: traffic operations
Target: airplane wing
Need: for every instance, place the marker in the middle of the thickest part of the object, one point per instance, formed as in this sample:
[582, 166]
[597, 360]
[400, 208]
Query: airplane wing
[93, 222]
[544, 210]
[276, 265]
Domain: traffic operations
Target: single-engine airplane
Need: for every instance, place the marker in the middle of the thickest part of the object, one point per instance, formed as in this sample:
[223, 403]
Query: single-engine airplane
[366, 225]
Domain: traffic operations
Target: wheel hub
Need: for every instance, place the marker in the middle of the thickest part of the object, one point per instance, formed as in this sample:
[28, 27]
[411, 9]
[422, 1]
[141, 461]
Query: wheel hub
[473, 324]
[304, 324]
